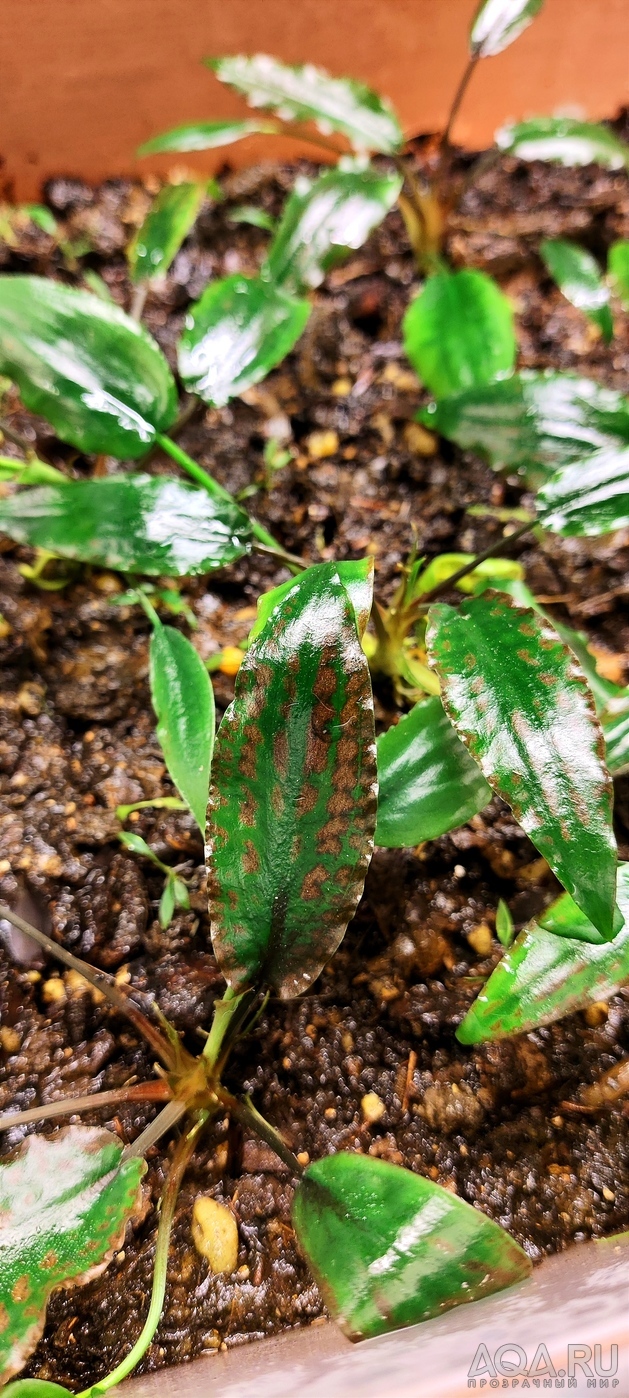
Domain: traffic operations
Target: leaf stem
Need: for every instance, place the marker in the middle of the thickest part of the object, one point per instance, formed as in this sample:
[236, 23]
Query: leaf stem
[230, 1014]
[168, 1202]
[168, 1117]
[493, 552]
[458, 98]
[243, 1110]
[137, 1092]
[140, 293]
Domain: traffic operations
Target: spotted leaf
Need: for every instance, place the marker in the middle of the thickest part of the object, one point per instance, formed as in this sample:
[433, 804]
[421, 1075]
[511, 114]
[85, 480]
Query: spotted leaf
[292, 805]
[519, 700]
[64, 1204]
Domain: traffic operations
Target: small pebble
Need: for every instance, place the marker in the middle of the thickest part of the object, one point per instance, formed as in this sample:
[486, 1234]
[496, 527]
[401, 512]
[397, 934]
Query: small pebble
[53, 990]
[596, 1014]
[480, 939]
[321, 444]
[372, 1108]
[215, 1234]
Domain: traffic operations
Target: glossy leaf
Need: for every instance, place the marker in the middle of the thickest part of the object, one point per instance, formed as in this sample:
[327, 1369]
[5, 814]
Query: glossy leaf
[492, 571]
[92, 371]
[136, 523]
[239, 330]
[550, 971]
[36, 1388]
[183, 700]
[520, 702]
[64, 1204]
[292, 805]
[206, 135]
[459, 332]
[579, 278]
[428, 783]
[564, 141]
[615, 724]
[390, 1248]
[356, 575]
[498, 22]
[310, 94]
[167, 223]
[533, 422]
[618, 269]
[589, 498]
[324, 218]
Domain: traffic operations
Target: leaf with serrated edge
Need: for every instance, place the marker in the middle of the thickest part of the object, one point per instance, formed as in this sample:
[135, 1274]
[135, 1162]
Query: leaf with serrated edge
[292, 806]
[428, 783]
[589, 498]
[459, 332]
[390, 1248]
[167, 223]
[564, 141]
[206, 135]
[95, 374]
[324, 219]
[579, 278]
[183, 700]
[235, 334]
[498, 22]
[521, 704]
[310, 94]
[139, 524]
[550, 971]
[64, 1204]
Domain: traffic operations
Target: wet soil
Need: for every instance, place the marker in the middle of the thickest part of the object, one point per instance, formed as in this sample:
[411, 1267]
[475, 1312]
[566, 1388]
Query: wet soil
[78, 739]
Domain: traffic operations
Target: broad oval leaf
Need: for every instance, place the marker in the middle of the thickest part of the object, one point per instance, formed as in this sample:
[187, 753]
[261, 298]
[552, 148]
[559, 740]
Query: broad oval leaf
[310, 94]
[322, 219]
[292, 806]
[36, 1388]
[356, 575]
[183, 700]
[533, 422]
[589, 498]
[239, 330]
[579, 278]
[428, 783]
[91, 370]
[618, 269]
[564, 141]
[206, 135]
[498, 22]
[167, 223]
[521, 704]
[389, 1248]
[138, 524]
[64, 1204]
[459, 332]
[550, 971]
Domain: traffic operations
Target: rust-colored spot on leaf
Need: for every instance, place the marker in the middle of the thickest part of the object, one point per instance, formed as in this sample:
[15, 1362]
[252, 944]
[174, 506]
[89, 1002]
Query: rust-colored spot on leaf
[49, 1261]
[4, 1318]
[312, 884]
[21, 1290]
[250, 859]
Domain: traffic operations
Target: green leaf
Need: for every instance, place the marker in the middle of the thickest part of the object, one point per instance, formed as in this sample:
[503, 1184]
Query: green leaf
[618, 270]
[589, 498]
[36, 1388]
[167, 904]
[521, 704]
[459, 332]
[356, 575]
[505, 930]
[389, 1248]
[183, 700]
[564, 141]
[250, 213]
[579, 278]
[167, 223]
[292, 806]
[550, 971]
[324, 218]
[239, 330]
[428, 783]
[206, 135]
[137, 524]
[42, 218]
[31, 472]
[533, 422]
[64, 1204]
[92, 371]
[138, 845]
[490, 570]
[498, 22]
[309, 94]
[615, 724]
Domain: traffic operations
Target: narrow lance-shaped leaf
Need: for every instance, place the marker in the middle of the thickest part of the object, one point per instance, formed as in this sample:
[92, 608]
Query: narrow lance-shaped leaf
[310, 94]
[238, 331]
[498, 22]
[92, 371]
[533, 422]
[589, 498]
[564, 141]
[389, 1248]
[136, 523]
[428, 783]
[550, 971]
[183, 700]
[618, 269]
[30, 472]
[206, 135]
[520, 702]
[459, 332]
[64, 1204]
[323, 219]
[167, 223]
[292, 805]
[578, 276]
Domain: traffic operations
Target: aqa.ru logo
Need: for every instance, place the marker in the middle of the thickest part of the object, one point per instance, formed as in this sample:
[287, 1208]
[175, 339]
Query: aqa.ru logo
[509, 1368]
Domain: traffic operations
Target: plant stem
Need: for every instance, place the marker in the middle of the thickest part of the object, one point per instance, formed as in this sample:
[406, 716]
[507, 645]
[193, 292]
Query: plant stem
[140, 293]
[301, 132]
[229, 1016]
[138, 1092]
[493, 552]
[458, 98]
[99, 979]
[169, 1116]
[243, 1110]
[168, 1201]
